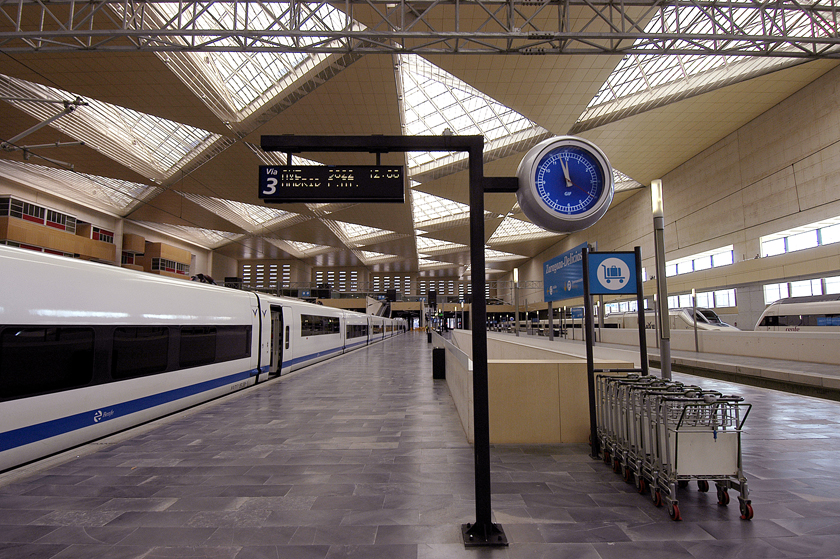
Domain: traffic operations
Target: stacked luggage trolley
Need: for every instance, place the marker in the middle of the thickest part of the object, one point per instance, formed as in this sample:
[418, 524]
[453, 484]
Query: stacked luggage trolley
[661, 435]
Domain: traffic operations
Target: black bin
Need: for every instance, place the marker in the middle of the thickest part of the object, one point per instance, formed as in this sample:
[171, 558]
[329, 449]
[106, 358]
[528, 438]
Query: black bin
[438, 363]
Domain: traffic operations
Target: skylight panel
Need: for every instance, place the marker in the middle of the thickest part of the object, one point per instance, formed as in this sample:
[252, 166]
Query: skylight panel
[105, 193]
[247, 216]
[310, 249]
[491, 255]
[511, 229]
[152, 146]
[234, 84]
[429, 209]
[435, 100]
[426, 246]
[207, 238]
[427, 264]
[372, 257]
[643, 73]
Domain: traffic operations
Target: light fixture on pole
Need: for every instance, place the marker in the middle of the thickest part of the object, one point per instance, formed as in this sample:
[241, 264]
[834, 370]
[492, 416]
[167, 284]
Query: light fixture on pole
[661, 286]
[694, 314]
[516, 300]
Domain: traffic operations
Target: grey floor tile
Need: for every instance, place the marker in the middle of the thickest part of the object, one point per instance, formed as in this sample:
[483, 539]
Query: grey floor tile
[366, 457]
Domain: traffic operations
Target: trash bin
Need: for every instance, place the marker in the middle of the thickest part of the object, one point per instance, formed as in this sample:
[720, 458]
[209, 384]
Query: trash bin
[438, 363]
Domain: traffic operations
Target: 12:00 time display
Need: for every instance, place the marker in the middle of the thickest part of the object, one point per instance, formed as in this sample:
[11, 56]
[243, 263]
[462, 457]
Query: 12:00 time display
[321, 183]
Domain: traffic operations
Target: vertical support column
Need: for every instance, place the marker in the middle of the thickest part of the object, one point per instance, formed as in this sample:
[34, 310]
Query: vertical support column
[483, 532]
[661, 284]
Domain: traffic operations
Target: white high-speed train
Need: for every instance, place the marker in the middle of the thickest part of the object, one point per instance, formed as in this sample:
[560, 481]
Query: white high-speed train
[816, 313]
[87, 350]
[678, 319]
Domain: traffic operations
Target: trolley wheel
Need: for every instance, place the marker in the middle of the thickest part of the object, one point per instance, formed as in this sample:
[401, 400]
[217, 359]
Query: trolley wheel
[702, 485]
[641, 484]
[656, 496]
[628, 475]
[674, 512]
[682, 484]
[606, 456]
[746, 511]
[723, 496]
[616, 465]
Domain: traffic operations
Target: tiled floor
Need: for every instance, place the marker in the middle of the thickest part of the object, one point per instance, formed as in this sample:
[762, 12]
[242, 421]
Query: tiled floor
[365, 457]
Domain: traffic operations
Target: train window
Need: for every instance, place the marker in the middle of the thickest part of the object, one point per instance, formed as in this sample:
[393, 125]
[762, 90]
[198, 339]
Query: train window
[287, 337]
[198, 346]
[139, 351]
[43, 359]
[311, 325]
[770, 321]
[232, 342]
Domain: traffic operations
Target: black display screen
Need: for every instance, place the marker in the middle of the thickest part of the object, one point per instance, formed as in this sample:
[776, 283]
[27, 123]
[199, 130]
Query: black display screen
[338, 183]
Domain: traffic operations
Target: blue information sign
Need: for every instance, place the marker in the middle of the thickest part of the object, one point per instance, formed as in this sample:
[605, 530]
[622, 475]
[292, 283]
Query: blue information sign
[612, 273]
[563, 275]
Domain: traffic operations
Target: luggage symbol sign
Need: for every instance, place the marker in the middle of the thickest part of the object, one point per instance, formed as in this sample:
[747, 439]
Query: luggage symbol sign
[612, 273]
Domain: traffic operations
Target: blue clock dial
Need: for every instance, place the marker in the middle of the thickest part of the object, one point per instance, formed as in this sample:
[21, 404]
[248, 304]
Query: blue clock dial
[569, 180]
[565, 184]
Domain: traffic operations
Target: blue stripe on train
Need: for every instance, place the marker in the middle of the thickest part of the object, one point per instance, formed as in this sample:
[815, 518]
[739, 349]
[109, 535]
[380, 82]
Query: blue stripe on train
[55, 427]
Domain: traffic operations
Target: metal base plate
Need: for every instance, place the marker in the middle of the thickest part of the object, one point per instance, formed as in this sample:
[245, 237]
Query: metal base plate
[491, 535]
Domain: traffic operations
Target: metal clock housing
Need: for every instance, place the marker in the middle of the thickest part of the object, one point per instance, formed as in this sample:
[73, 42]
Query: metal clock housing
[565, 184]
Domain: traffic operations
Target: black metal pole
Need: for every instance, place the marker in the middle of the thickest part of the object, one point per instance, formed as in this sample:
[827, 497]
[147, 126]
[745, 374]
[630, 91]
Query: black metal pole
[483, 532]
[589, 324]
[640, 304]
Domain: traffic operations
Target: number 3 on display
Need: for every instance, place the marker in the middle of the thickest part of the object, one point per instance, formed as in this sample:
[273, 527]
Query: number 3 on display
[270, 186]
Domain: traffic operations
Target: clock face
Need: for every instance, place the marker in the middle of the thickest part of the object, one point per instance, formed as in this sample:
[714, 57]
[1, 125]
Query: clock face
[565, 184]
[569, 180]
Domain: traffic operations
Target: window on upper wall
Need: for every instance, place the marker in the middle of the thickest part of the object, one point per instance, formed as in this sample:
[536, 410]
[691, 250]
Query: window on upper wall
[722, 256]
[706, 300]
[816, 234]
[832, 285]
[805, 288]
[725, 298]
[775, 291]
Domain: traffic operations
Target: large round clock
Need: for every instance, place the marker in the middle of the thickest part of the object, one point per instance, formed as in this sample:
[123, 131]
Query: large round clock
[565, 184]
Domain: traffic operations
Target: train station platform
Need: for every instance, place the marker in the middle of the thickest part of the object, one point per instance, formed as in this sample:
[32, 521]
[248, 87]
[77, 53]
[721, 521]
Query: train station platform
[800, 377]
[364, 456]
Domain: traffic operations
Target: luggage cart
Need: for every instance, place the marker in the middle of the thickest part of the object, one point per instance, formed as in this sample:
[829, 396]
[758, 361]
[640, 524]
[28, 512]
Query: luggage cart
[698, 438]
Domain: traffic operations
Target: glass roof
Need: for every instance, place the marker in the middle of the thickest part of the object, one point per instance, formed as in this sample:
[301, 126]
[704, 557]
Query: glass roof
[429, 209]
[427, 264]
[426, 246]
[361, 234]
[310, 249]
[491, 255]
[435, 100]
[235, 84]
[203, 237]
[640, 73]
[152, 146]
[112, 195]
[517, 230]
[247, 216]
[371, 257]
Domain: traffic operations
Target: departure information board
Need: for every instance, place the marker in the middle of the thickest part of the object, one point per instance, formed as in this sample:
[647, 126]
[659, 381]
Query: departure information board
[332, 183]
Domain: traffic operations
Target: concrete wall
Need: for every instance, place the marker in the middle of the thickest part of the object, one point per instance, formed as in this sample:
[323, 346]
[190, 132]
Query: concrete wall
[535, 395]
[780, 171]
[807, 347]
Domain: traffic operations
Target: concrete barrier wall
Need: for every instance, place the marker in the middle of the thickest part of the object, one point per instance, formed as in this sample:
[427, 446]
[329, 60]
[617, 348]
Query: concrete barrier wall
[809, 347]
[535, 396]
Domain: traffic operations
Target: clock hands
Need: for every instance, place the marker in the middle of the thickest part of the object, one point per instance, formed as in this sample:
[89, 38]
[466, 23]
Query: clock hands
[569, 183]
